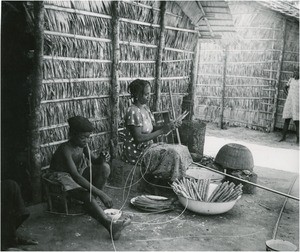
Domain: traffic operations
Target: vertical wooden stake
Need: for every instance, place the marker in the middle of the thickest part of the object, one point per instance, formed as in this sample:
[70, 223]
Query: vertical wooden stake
[194, 77]
[225, 52]
[158, 66]
[35, 100]
[115, 87]
[278, 76]
[173, 112]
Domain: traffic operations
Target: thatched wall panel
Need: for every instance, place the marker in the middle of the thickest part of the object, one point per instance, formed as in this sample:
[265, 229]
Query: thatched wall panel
[179, 19]
[58, 112]
[75, 69]
[179, 86]
[131, 52]
[138, 33]
[61, 21]
[53, 91]
[76, 48]
[139, 13]
[103, 7]
[139, 70]
[176, 68]
[180, 40]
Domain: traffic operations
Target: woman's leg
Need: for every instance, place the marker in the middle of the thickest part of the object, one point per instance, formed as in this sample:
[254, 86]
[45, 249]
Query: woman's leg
[285, 129]
[297, 130]
[98, 214]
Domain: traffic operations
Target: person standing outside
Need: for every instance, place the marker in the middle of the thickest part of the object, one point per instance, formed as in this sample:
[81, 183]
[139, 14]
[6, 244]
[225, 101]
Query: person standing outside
[291, 106]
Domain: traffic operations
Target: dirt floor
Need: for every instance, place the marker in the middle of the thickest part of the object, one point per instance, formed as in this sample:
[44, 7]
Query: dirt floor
[246, 227]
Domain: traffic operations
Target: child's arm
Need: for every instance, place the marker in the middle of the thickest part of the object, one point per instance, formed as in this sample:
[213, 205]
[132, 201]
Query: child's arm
[71, 167]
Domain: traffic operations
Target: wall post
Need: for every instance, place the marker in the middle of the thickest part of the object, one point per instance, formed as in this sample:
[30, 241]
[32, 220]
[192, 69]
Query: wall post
[278, 76]
[225, 54]
[115, 87]
[35, 102]
[194, 77]
[160, 50]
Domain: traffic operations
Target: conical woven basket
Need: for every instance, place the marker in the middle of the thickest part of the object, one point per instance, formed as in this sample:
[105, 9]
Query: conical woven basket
[235, 156]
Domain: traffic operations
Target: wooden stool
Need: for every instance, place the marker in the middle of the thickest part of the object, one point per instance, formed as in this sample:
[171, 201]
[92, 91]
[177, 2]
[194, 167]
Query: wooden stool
[54, 191]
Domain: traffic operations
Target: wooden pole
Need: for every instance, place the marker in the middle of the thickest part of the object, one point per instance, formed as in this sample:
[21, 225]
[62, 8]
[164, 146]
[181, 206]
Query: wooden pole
[173, 112]
[194, 76]
[246, 181]
[35, 101]
[278, 76]
[271, 73]
[225, 53]
[115, 87]
[160, 49]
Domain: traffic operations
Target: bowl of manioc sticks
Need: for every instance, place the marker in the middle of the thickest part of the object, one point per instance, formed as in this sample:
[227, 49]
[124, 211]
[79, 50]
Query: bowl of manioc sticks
[203, 197]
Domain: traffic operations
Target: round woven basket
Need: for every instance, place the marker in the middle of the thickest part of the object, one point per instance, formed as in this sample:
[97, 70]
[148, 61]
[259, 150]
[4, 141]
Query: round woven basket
[235, 156]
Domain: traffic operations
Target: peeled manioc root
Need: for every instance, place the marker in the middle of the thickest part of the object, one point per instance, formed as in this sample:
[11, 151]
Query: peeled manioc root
[198, 190]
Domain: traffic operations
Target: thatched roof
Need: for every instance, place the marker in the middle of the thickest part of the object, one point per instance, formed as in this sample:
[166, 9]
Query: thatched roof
[212, 19]
[289, 8]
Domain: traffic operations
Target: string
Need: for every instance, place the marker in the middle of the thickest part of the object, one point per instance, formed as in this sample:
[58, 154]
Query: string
[282, 208]
[132, 173]
[90, 165]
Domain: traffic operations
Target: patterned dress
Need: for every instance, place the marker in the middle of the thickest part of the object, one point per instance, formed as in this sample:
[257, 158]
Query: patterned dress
[140, 118]
[291, 106]
[166, 161]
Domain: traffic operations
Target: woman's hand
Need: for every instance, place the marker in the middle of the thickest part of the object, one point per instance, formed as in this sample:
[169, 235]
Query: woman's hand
[178, 123]
[171, 126]
[106, 156]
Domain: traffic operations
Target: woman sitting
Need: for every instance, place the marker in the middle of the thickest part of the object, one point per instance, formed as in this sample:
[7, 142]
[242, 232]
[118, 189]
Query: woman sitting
[161, 160]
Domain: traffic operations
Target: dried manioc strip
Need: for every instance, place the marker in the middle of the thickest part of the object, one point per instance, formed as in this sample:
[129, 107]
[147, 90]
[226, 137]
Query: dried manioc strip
[199, 184]
[202, 187]
[191, 189]
[206, 190]
[228, 191]
[214, 192]
[235, 195]
[196, 191]
[219, 192]
[206, 186]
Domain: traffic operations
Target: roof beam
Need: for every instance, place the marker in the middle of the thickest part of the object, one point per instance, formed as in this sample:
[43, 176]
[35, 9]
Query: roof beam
[205, 19]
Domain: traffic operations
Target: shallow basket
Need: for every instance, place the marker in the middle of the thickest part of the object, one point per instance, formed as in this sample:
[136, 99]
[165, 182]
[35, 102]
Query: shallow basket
[208, 208]
[235, 156]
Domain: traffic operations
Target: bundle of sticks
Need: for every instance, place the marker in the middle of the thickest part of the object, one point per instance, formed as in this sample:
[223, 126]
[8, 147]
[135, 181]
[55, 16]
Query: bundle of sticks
[198, 190]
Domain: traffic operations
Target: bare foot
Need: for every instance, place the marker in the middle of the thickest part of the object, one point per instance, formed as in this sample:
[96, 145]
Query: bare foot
[118, 226]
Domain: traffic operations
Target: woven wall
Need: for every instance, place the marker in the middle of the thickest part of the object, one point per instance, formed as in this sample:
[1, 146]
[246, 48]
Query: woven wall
[78, 63]
[251, 70]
